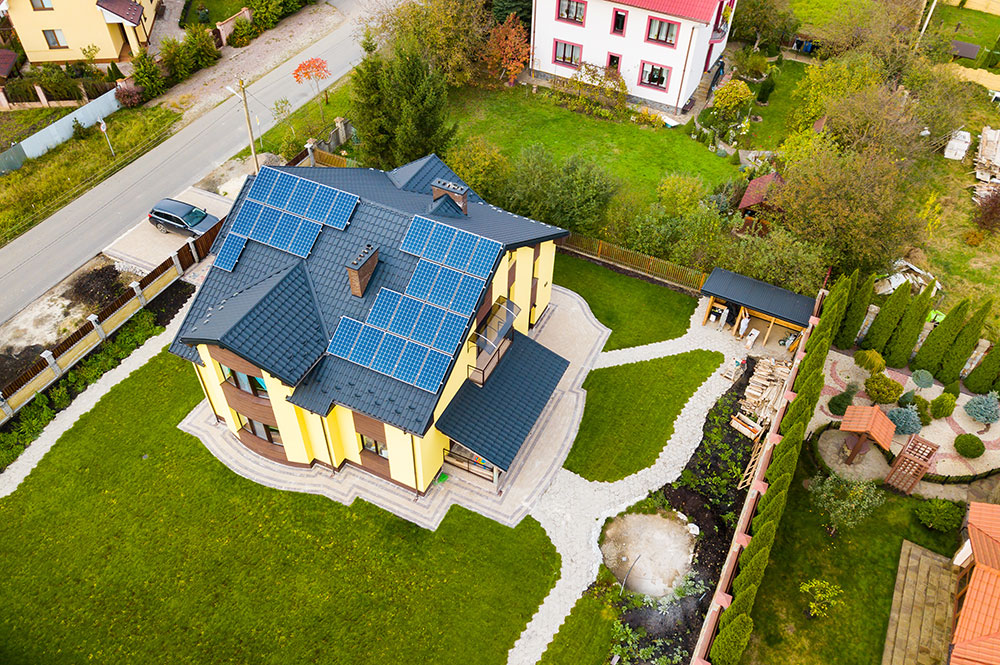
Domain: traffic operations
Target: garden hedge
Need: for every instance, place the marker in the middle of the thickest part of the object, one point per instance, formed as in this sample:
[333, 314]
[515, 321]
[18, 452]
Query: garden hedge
[772, 512]
[965, 343]
[857, 309]
[931, 352]
[729, 644]
[762, 541]
[969, 446]
[886, 320]
[815, 359]
[900, 346]
[986, 373]
[742, 605]
[752, 572]
[779, 486]
[802, 407]
[781, 465]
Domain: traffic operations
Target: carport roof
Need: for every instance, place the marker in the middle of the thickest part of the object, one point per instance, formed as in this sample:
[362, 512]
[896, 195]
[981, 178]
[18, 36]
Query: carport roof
[759, 296]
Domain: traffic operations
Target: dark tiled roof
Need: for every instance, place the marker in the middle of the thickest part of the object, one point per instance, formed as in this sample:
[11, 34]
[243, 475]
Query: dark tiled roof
[381, 219]
[129, 10]
[757, 295]
[8, 59]
[493, 421]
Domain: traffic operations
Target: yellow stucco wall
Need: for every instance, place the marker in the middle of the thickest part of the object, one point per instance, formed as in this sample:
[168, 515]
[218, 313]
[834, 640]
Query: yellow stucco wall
[296, 437]
[211, 379]
[543, 271]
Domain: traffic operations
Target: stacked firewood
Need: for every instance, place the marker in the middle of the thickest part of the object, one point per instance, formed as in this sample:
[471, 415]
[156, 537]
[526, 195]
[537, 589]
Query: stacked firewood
[766, 387]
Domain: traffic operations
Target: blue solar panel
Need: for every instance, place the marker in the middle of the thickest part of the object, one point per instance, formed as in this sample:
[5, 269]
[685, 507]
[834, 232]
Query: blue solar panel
[364, 350]
[388, 354]
[230, 252]
[302, 196]
[484, 257]
[450, 334]
[282, 191]
[428, 324]
[422, 280]
[304, 238]
[439, 244]
[432, 374]
[285, 231]
[417, 235]
[343, 208]
[444, 287]
[381, 312]
[461, 250]
[321, 203]
[406, 316]
[410, 362]
[343, 339]
[262, 184]
[468, 294]
[264, 227]
[246, 218]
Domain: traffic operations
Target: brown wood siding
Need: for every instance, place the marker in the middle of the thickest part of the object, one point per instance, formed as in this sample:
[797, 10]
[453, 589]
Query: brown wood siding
[233, 361]
[251, 406]
[265, 448]
[373, 429]
[538, 251]
[511, 276]
[484, 309]
[534, 291]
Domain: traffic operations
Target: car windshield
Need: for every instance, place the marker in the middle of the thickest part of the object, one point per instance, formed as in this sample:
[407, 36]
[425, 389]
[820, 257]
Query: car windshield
[194, 217]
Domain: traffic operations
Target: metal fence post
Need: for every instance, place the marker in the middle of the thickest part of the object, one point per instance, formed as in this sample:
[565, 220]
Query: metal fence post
[51, 360]
[97, 326]
[138, 293]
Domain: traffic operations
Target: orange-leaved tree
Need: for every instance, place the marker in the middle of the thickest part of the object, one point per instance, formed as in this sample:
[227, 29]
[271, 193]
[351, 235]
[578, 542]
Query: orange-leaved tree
[313, 70]
[507, 50]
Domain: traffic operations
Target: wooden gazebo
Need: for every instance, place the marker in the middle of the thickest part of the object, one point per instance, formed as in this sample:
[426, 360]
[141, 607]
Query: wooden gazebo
[870, 424]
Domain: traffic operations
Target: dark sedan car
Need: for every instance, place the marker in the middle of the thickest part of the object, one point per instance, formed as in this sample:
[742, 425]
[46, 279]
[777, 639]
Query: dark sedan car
[179, 217]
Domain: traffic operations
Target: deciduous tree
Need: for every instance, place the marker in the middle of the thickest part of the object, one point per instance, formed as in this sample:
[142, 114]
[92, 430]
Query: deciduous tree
[846, 503]
[823, 86]
[763, 22]
[507, 50]
[313, 70]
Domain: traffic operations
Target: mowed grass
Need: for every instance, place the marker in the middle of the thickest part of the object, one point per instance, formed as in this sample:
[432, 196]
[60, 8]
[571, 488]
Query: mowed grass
[130, 543]
[630, 412]
[636, 311]
[862, 561]
[968, 25]
[16, 126]
[773, 129]
[815, 12]
[586, 635]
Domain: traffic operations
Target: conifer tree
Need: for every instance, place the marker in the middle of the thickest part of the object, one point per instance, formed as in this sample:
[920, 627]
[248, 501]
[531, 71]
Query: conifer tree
[904, 338]
[815, 358]
[368, 109]
[931, 353]
[742, 605]
[854, 316]
[504, 8]
[887, 319]
[420, 96]
[963, 346]
[986, 373]
[731, 642]
[751, 571]
[802, 407]
[833, 309]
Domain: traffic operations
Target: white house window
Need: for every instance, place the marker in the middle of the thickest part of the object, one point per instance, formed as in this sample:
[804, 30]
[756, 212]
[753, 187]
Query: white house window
[654, 76]
[572, 10]
[567, 54]
[55, 38]
[664, 32]
[38, 5]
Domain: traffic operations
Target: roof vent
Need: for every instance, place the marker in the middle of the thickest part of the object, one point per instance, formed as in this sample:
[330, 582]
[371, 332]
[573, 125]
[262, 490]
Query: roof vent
[458, 193]
[359, 271]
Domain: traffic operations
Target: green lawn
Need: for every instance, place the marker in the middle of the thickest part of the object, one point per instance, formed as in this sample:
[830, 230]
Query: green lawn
[970, 26]
[815, 12]
[630, 412]
[637, 311]
[45, 184]
[585, 637]
[130, 543]
[18, 125]
[218, 10]
[769, 133]
[862, 561]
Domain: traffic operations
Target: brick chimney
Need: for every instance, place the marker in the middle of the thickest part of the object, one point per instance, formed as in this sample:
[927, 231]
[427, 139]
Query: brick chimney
[360, 270]
[458, 193]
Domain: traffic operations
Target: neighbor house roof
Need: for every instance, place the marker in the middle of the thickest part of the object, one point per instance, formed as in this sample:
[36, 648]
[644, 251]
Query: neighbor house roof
[977, 632]
[494, 420]
[129, 10]
[8, 59]
[760, 296]
[757, 190]
[279, 311]
[869, 420]
[984, 532]
[702, 11]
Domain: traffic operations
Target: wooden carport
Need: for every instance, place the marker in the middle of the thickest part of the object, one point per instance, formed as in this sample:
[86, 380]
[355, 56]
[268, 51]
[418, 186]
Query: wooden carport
[870, 424]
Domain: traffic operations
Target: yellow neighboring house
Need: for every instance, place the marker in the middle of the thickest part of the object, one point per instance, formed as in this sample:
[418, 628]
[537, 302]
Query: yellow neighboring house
[57, 31]
[376, 319]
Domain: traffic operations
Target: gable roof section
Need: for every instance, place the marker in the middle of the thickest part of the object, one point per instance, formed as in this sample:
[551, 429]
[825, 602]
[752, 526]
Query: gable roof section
[977, 632]
[869, 420]
[493, 421]
[702, 11]
[757, 190]
[760, 296]
[984, 532]
[129, 10]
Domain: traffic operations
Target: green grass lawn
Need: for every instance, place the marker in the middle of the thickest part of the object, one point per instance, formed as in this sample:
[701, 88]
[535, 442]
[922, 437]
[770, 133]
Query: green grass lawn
[18, 125]
[130, 543]
[630, 412]
[769, 133]
[45, 184]
[970, 26]
[637, 311]
[815, 12]
[218, 10]
[862, 561]
[585, 637]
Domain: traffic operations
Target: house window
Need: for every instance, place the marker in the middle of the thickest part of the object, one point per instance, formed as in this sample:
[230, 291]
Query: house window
[663, 32]
[39, 5]
[618, 18]
[248, 384]
[572, 11]
[374, 446]
[55, 38]
[260, 430]
[614, 61]
[567, 54]
[654, 76]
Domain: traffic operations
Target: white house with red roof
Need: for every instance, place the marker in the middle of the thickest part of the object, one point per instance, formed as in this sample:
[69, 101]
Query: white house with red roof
[661, 47]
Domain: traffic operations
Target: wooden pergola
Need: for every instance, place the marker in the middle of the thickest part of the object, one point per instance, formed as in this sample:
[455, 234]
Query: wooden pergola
[870, 424]
[911, 464]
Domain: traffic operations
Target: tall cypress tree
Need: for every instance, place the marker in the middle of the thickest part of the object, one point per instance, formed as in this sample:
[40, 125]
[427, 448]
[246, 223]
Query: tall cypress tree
[833, 309]
[420, 97]
[963, 346]
[369, 104]
[861, 297]
[986, 373]
[931, 353]
[504, 8]
[887, 319]
[904, 338]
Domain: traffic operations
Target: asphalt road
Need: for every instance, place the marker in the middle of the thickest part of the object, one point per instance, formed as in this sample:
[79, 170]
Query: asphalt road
[45, 255]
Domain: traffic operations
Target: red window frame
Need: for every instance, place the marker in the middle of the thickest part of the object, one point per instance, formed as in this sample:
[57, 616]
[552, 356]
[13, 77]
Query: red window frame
[677, 33]
[582, 23]
[614, 13]
[560, 62]
[607, 64]
[666, 84]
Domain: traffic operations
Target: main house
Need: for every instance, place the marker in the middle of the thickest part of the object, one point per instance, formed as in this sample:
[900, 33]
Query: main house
[661, 47]
[57, 31]
[976, 640]
[375, 319]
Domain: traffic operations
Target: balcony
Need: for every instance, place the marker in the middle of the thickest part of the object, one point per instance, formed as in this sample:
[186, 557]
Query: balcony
[719, 33]
[492, 339]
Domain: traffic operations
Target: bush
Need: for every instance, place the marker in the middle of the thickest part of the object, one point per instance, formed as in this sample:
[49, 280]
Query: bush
[954, 388]
[266, 13]
[129, 96]
[883, 390]
[988, 214]
[943, 405]
[114, 73]
[243, 33]
[147, 75]
[766, 88]
[200, 47]
[940, 515]
[79, 131]
[906, 419]
[906, 399]
[969, 446]
[983, 409]
[176, 59]
[731, 642]
[838, 403]
[750, 63]
[732, 100]
[822, 595]
[751, 571]
[869, 360]
[974, 237]
[59, 394]
[923, 410]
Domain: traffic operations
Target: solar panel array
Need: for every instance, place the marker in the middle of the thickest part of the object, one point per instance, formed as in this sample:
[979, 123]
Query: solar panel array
[451, 247]
[286, 212]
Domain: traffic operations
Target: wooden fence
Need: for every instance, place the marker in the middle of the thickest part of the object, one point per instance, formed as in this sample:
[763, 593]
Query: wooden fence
[56, 361]
[641, 263]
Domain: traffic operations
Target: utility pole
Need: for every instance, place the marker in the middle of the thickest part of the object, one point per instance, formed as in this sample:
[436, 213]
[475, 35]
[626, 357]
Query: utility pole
[246, 111]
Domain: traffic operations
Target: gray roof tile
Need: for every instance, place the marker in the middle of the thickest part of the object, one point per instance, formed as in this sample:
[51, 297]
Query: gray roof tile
[757, 295]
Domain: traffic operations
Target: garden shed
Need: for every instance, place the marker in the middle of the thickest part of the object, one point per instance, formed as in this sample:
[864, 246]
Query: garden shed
[754, 309]
[757, 190]
[870, 424]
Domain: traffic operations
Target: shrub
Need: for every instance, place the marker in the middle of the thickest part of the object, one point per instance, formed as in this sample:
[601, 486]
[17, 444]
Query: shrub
[965, 343]
[750, 63]
[735, 158]
[906, 419]
[984, 409]
[985, 373]
[887, 319]
[953, 388]
[742, 605]
[907, 398]
[974, 237]
[147, 75]
[900, 346]
[266, 13]
[766, 88]
[129, 96]
[969, 446]
[751, 571]
[940, 515]
[883, 390]
[730, 643]
[923, 410]
[200, 47]
[679, 193]
[176, 59]
[846, 502]
[857, 309]
[243, 33]
[732, 100]
[838, 403]
[988, 214]
[79, 131]
[869, 360]
[114, 73]
[931, 352]
[822, 596]
[60, 396]
[943, 405]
